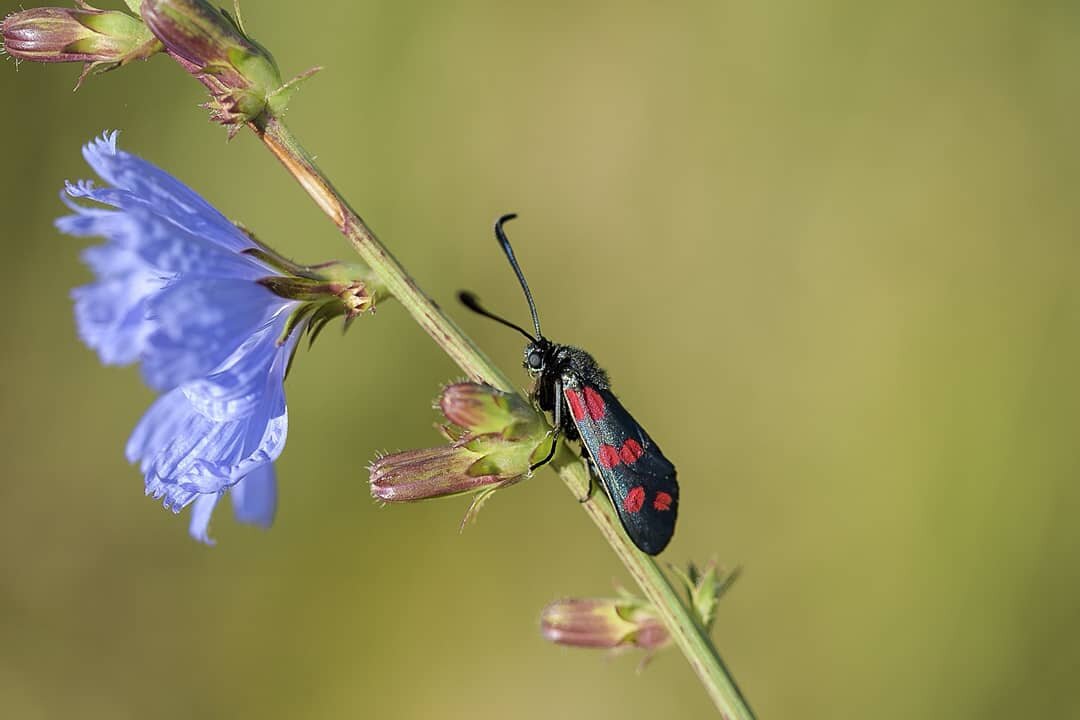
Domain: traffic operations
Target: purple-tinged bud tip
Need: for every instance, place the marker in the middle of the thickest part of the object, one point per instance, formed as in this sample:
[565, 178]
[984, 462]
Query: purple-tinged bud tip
[483, 409]
[429, 473]
[607, 623]
[101, 39]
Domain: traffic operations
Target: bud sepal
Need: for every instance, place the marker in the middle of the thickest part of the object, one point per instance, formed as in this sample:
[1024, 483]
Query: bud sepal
[704, 587]
[323, 292]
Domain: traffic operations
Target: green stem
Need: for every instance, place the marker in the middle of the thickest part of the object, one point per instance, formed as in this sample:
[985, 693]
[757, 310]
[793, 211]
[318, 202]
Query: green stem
[687, 633]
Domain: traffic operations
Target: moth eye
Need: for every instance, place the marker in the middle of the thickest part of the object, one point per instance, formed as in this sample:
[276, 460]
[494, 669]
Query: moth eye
[535, 361]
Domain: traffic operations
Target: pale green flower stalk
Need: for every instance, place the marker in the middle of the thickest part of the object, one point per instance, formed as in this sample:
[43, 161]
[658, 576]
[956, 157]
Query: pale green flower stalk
[247, 91]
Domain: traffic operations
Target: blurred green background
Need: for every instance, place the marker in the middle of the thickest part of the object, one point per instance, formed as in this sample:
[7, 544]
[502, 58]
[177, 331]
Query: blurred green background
[828, 251]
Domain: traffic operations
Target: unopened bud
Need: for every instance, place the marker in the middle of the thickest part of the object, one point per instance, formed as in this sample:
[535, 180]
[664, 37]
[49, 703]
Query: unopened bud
[241, 75]
[612, 623]
[100, 39]
[629, 621]
[474, 462]
[430, 473]
[483, 409]
[496, 437]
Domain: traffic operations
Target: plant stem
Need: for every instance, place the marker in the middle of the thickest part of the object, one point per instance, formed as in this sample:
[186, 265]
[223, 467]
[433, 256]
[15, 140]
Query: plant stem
[687, 633]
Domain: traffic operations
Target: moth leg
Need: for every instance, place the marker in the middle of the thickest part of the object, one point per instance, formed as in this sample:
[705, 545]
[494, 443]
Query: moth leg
[551, 453]
[589, 491]
[556, 430]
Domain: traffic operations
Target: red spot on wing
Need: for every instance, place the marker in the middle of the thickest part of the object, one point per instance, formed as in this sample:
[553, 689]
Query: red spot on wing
[631, 451]
[662, 501]
[608, 456]
[634, 499]
[577, 406]
[594, 403]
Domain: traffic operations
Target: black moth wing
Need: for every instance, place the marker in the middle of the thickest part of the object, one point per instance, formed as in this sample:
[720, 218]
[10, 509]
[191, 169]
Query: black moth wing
[633, 470]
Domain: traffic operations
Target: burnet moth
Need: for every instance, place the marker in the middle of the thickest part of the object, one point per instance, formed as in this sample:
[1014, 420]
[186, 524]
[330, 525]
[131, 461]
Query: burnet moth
[636, 476]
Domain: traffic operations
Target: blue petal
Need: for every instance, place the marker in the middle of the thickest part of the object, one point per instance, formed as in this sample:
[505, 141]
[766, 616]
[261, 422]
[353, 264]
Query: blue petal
[184, 452]
[209, 457]
[201, 510]
[111, 314]
[114, 261]
[111, 319]
[137, 183]
[160, 243]
[167, 418]
[173, 249]
[86, 222]
[254, 498]
[238, 384]
[198, 323]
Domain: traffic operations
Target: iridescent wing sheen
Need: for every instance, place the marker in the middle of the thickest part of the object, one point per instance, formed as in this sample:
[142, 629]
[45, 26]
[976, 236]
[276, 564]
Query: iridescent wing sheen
[633, 470]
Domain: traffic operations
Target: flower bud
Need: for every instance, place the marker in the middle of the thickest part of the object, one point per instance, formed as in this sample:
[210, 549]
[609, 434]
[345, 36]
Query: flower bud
[241, 75]
[629, 621]
[613, 623]
[436, 472]
[473, 462]
[101, 39]
[496, 437]
[482, 409]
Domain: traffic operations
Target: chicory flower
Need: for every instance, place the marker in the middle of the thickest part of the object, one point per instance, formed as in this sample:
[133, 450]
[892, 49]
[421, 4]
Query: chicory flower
[212, 316]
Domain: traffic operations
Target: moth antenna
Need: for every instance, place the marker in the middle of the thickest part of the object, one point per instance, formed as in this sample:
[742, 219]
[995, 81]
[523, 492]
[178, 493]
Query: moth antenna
[470, 301]
[505, 243]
